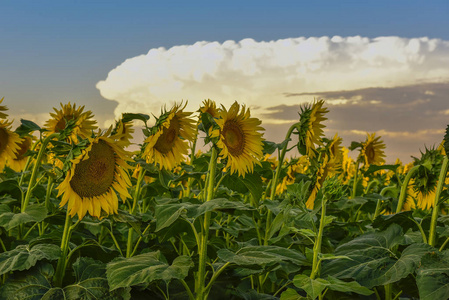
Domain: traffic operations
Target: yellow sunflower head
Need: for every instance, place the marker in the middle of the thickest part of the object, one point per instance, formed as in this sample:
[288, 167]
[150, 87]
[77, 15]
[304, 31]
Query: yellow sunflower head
[167, 145]
[123, 133]
[239, 139]
[372, 150]
[9, 143]
[18, 163]
[209, 107]
[311, 127]
[81, 122]
[3, 108]
[335, 148]
[94, 179]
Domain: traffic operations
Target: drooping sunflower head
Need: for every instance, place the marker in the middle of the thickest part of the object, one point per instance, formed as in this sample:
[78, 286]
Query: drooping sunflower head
[311, 127]
[425, 179]
[167, 145]
[18, 163]
[9, 143]
[94, 179]
[123, 133]
[335, 148]
[239, 139]
[372, 150]
[80, 123]
[3, 108]
[209, 107]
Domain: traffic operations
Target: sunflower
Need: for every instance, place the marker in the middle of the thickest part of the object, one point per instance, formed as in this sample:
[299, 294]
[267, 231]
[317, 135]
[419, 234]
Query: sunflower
[123, 133]
[299, 167]
[83, 123]
[9, 143]
[372, 150]
[18, 163]
[239, 139]
[2, 109]
[347, 166]
[95, 176]
[311, 119]
[209, 107]
[168, 145]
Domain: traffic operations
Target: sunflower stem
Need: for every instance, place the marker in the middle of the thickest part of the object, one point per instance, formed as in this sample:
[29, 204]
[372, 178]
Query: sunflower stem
[317, 244]
[436, 204]
[201, 291]
[379, 201]
[129, 244]
[62, 262]
[35, 171]
[404, 185]
[274, 181]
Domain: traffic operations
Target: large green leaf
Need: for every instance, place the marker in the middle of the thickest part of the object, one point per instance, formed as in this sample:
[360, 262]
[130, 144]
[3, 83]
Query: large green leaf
[91, 282]
[219, 204]
[291, 294]
[23, 258]
[433, 276]
[167, 214]
[10, 187]
[33, 284]
[314, 287]
[262, 256]
[33, 213]
[371, 261]
[145, 268]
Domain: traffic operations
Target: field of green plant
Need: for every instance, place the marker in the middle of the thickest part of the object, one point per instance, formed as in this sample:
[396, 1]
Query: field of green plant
[82, 217]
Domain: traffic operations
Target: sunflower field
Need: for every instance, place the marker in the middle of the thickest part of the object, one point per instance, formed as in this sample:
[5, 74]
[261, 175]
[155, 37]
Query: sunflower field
[82, 216]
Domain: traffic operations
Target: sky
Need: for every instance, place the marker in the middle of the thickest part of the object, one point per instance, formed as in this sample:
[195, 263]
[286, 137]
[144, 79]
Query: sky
[381, 66]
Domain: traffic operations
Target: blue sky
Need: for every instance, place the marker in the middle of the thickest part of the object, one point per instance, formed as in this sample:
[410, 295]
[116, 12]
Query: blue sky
[57, 51]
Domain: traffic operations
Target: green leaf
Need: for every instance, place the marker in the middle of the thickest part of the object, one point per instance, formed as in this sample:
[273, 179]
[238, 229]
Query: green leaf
[313, 287]
[145, 268]
[433, 276]
[290, 294]
[375, 168]
[10, 187]
[33, 213]
[34, 284]
[218, 204]
[253, 183]
[347, 287]
[167, 214]
[262, 256]
[128, 117]
[27, 127]
[91, 282]
[371, 262]
[403, 219]
[23, 258]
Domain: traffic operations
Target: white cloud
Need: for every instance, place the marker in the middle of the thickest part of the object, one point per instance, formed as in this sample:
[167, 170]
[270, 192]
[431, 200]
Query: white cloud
[260, 73]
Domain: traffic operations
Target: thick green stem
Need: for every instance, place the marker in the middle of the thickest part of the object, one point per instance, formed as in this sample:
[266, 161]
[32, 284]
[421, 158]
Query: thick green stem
[274, 181]
[62, 262]
[201, 292]
[319, 238]
[35, 171]
[379, 202]
[404, 185]
[436, 204]
[388, 291]
[129, 244]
